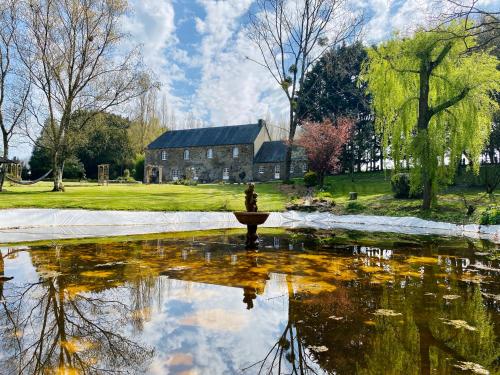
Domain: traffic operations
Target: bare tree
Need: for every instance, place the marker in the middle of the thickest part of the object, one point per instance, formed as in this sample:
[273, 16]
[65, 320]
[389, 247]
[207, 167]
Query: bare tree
[291, 35]
[147, 119]
[71, 50]
[14, 85]
[477, 21]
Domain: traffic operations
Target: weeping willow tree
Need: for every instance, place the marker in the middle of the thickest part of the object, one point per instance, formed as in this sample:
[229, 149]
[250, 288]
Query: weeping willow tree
[432, 102]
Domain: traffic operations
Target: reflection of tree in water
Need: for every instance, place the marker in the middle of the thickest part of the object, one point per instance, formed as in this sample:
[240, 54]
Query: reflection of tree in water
[56, 325]
[338, 332]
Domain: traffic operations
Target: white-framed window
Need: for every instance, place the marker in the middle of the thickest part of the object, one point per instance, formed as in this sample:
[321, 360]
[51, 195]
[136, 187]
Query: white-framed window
[292, 168]
[304, 167]
[236, 152]
[175, 174]
[210, 153]
[186, 154]
[164, 155]
[225, 174]
[261, 169]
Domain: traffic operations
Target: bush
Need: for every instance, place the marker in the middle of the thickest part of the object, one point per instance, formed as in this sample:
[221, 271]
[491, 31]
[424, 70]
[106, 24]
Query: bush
[400, 183]
[353, 206]
[185, 182]
[139, 168]
[490, 217]
[74, 169]
[126, 174]
[310, 179]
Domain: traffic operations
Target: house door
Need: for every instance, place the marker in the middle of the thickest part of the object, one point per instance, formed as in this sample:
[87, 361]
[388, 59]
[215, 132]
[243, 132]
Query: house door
[225, 174]
[277, 172]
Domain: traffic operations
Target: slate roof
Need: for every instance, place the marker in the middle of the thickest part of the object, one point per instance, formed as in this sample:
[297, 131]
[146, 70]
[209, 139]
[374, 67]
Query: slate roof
[6, 161]
[214, 136]
[271, 152]
[275, 152]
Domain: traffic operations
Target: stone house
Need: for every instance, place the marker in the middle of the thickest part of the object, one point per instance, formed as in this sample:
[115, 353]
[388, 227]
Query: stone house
[225, 153]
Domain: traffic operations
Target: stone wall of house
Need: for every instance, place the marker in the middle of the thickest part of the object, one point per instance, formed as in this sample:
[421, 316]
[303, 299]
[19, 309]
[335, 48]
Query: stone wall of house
[207, 170]
[266, 171]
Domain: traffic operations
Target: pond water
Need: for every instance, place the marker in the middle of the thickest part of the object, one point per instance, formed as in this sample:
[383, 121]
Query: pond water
[200, 304]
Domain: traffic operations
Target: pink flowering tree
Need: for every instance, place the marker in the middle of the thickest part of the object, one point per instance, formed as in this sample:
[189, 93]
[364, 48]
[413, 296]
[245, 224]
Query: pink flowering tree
[324, 142]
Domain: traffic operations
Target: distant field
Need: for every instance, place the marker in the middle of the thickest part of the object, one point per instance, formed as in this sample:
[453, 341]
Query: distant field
[141, 197]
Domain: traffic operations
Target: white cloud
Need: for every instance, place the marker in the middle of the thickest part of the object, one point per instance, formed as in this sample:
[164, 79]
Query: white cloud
[232, 89]
[151, 24]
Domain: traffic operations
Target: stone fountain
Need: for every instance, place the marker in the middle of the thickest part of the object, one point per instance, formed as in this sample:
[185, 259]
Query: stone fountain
[251, 218]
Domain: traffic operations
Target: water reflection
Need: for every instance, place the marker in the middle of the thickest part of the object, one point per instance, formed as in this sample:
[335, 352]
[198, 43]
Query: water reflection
[205, 305]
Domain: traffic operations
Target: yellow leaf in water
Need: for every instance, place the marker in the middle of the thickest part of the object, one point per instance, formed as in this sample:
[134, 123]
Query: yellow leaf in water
[370, 269]
[102, 274]
[458, 324]
[386, 312]
[422, 260]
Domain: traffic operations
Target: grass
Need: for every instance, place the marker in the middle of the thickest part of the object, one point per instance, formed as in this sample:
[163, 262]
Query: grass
[141, 197]
[375, 198]
[373, 188]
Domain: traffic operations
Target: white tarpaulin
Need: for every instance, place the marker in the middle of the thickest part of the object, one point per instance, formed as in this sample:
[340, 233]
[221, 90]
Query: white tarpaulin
[23, 225]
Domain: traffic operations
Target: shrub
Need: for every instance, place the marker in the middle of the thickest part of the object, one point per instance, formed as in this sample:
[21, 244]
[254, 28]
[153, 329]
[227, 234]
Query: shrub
[126, 174]
[490, 217]
[400, 183]
[139, 168]
[353, 206]
[310, 179]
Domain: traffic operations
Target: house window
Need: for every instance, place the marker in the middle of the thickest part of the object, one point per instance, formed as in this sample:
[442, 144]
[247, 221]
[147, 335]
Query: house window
[164, 155]
[186, 154]
[236, 152]
[175, 174]
[210, 153]
[225, 174]
[261, 169]
[304, 167]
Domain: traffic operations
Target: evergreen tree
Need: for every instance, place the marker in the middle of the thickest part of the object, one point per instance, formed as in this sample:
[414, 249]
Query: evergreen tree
[331, 91]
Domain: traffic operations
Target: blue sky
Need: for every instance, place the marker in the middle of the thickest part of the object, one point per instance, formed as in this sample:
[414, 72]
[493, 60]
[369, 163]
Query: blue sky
[197, 50]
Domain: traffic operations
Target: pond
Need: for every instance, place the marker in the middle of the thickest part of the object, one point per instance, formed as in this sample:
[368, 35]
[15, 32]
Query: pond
[198, 303]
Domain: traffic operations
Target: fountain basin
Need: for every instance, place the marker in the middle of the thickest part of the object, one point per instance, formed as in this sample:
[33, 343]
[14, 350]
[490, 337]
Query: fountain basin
[251, 218]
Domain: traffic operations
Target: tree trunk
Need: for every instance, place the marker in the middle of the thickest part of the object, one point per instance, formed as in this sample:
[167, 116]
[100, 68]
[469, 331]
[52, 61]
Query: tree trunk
[291, 136]
[58, 167]
[5, 155]
[422, 134]
[321, 179]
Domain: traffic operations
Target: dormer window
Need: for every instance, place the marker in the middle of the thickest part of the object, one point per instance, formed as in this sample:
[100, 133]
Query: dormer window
[210, 153]
[236, 152]
[186, 154]
[164, 155]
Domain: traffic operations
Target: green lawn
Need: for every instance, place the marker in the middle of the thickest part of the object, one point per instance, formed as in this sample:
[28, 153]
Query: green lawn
[141, 197]
[374, 197]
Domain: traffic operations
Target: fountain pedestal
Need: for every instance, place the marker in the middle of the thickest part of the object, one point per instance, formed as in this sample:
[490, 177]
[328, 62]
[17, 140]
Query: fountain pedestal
[251, 220]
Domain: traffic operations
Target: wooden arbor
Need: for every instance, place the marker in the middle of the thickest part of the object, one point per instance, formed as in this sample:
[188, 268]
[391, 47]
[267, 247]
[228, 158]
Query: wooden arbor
[14, 170]
[103, 174]
[153, 174]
